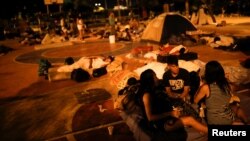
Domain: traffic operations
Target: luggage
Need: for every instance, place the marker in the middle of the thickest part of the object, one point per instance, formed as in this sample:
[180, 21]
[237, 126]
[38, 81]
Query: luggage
[99, 72]
[162, 58]
[43, 68]
[189, 56]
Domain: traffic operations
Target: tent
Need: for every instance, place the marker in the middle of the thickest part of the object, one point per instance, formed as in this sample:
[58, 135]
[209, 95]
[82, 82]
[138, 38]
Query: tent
[162, 27]
[201, 18]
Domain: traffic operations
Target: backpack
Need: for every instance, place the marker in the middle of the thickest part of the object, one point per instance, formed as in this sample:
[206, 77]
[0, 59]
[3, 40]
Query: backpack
[127, 101]
[189, 56]
[99, 71]
[44, 66]
[162, 58]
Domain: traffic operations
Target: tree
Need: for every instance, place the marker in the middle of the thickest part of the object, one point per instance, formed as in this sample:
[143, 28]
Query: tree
[187, 8]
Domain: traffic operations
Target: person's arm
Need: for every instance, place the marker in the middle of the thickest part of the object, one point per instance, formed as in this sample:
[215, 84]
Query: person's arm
[97, 62]
[95, 57]
[185, 92]
[186, 89]
[201, 93]
[148, 109]
[183, 95]
[170, 93]
[90, 63]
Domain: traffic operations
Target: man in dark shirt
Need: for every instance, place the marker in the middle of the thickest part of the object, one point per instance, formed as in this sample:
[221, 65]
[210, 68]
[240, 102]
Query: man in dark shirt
[176, 80]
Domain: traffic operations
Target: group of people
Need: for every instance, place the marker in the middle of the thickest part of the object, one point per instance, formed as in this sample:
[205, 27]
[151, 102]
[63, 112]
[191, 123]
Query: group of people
[125, 33]
[155, 98]
[62, 30]
[55, 32]
[66, 29]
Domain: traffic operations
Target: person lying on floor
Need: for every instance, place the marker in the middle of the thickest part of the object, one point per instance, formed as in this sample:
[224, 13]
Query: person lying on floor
[87, 63]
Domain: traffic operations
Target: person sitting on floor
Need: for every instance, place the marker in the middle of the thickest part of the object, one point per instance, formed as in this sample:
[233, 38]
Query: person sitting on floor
[216, 91]
[52, 37]
[124, 35]
[176, 80]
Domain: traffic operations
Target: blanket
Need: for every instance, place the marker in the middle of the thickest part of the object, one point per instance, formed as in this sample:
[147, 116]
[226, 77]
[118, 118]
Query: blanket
[120, 78]
[160, 68]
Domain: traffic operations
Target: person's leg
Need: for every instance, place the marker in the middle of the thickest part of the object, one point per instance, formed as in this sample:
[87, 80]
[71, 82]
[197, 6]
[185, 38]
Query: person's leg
[240, 113]
[190, 121]
[173, 124]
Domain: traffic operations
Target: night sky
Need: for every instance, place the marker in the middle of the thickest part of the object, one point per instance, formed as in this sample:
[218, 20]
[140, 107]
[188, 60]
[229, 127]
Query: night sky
[11, 7]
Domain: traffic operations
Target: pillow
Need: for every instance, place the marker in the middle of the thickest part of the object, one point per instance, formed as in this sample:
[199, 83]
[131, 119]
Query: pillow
[120, 78]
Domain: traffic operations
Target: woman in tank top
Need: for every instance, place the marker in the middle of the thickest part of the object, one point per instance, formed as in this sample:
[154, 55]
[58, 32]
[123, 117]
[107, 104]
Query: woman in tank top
[216, 92]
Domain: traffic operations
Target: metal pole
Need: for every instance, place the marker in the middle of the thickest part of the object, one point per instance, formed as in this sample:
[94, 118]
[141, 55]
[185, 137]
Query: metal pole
[119, 10]
[187, 8]
[105, 3]
[60, 8]
[47, 8]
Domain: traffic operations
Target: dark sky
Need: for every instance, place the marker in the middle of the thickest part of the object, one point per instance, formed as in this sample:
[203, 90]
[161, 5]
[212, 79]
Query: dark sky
[12, 7]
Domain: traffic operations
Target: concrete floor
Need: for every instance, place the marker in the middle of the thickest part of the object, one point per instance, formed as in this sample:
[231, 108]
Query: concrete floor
[24, 95]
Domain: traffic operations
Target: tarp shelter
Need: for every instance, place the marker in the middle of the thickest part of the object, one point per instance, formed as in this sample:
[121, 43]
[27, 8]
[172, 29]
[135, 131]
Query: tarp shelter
[201, 18]
[165, 25]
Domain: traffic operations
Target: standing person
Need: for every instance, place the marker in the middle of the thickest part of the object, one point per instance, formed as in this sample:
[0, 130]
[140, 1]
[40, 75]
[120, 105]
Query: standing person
[131, 14]
[151, 14]
[134, 24]
[167, 119]
[176, 80]
[62, 22]
[112, 23]
[80, 27]
[144, 14]
[64, 29]
[217, 93]
[202, 16]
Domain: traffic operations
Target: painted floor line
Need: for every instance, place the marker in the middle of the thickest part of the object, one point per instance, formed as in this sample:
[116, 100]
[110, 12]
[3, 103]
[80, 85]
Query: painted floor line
[86, 130]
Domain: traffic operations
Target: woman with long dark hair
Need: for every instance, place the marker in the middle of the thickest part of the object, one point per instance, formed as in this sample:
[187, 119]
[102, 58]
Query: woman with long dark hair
[216, 92]
[154, 113]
